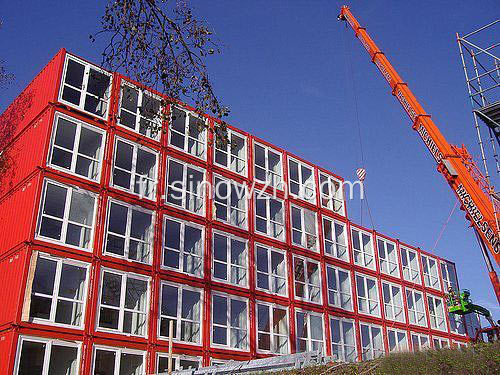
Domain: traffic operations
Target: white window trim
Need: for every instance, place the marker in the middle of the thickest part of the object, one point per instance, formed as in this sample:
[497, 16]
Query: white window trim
[121, 308]
[440, 340]
[372, 348]
[180, 288]
[398, 348]
[133, 171]
[342, 343]
[392, 305]
[459, 344]
[411, 270]
[413, 292]
[309, 339]
[229, 264]
[65, 219]
[183, 223]
[267, 149]
[48, 349]
[426, 261]
[240, 187]
[300, 182]
[128, 228]
[83, 90]
[228, 327]
[306, 283]
[420, 336]
[334, 242]
[445, 273]
[436, 316]
[303, 233]
[118, 352]
[337, 281]
[386, 258]
[271, 327]
[227, 151]
[176, 358]
[186, 134]
[79, 125]
[362, 250]
[367, 298]
[270, 275]
[262, 195]
[332, 197]
[55, 293]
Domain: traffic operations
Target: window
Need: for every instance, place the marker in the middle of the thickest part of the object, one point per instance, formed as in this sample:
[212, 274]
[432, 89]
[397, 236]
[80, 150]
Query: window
[304, 232]
[309, 331]
[372, 343]
[123, 303]
[182, 362]
[140, 111]
[183, 247]
[339, 288]
[388, 257]
[269, 216]
[230, 321]
[449, 276]
[440, 343]
[117, 361]
[44, 356]
[233, 154]
[272, 328]
[135, 169]
[397, 339]
[457, 324]
[335, 234]
[393, 302]
[332, 196]
[411, 269]
[85, 87]
[363, 248]
[182, 305]
[67, 215]
[343, 340]
[459, 344]
[436, 313]
[271, 270]
[185, 186]
[230, 202]
[230, 259]
[129, 232]
[58, 292]
[368, 298]
[431, 276]
[76, 147]
[416, 308]
[419, 342]
[307, 280]
[301, 182]
[188, 132]
[268, 166]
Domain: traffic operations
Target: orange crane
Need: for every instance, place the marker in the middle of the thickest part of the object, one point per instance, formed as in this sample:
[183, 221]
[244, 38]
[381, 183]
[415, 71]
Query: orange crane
[476, 195]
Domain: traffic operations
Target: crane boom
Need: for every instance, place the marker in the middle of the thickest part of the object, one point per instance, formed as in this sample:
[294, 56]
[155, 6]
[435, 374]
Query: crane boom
[475, 194]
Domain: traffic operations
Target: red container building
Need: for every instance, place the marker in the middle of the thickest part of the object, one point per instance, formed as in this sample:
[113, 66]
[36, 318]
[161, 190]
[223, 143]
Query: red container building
[98, 254]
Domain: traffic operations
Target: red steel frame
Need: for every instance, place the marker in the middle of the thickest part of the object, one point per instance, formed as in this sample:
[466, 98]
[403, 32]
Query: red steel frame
[89, 336]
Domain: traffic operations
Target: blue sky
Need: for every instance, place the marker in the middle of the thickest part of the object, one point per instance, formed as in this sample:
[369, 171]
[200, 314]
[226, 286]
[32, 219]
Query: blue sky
[284, 75]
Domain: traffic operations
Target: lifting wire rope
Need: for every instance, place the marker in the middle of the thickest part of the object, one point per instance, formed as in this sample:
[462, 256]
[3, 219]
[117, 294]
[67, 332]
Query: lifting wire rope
[444, 226]
[362, 170]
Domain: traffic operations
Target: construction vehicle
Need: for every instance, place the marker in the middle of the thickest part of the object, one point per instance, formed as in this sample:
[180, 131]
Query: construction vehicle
[474, 192]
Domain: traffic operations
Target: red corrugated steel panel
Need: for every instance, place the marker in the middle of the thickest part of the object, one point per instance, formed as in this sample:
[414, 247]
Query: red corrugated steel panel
[7, 340]
[17, 214]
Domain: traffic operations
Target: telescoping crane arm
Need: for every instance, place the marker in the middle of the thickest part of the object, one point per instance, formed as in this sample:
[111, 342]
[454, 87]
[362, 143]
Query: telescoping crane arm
[453, 162]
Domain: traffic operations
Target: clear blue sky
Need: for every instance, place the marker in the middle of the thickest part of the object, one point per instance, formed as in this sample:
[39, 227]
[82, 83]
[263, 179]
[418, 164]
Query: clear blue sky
[283, 73]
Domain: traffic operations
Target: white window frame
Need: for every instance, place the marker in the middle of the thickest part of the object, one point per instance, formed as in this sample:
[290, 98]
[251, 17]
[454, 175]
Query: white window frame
[303, 233]
[83, 90]
[226, 202]
[341, 344]
[415, 310]
[186, 134]
[420, 337]
[333, 242]
[270, 274]
[368, 301]
[412, 269]
[307, 283]
[440, 341]
[363, 253]
[268, 171]
[76, 142]
[229, 155]
[228, 326]
[269, 223]
[127, 237]
[55, 292]
[388, 261]
[300, 182]
[65, 219]
[229, 265]
[181, 251]
[185, 193]
[118, 354]
[176, 358]
[141, 94]
[273, 335]
[371, 350]
[437, 321]
[460, 344]
[333, 198]
[121, 309]
[431, 278]
[398, 347]
[309, 340]
[133, 172]
[391, 305]
[48, 350]
[178, 318]
[337, 291]
[449, 276]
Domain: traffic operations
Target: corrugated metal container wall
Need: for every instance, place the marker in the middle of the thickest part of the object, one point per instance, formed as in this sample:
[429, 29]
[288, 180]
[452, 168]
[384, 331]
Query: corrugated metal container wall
[17, 211]
[7, 339]
[12, 269]
[26, 152]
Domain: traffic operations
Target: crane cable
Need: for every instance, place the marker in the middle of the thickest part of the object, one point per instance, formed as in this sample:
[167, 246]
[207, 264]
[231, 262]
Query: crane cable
[444, 226]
